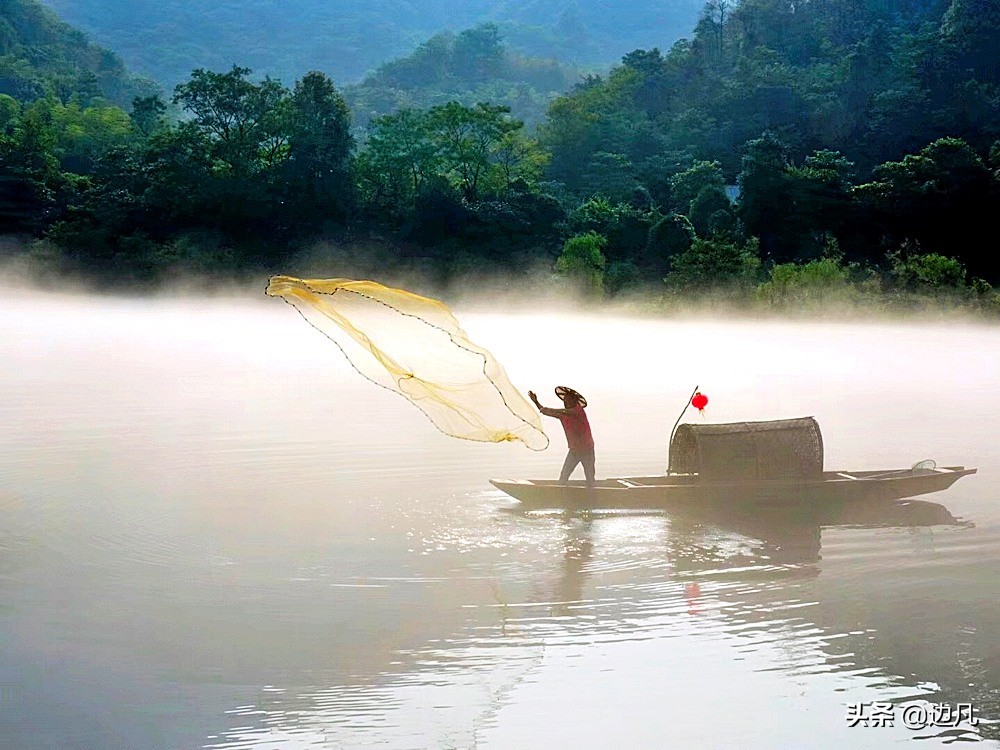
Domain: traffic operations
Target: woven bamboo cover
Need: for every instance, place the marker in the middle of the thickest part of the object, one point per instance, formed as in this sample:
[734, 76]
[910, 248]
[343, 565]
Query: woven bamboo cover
[780, 449]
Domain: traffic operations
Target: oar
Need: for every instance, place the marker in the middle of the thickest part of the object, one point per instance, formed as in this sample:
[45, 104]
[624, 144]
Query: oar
[683, 412]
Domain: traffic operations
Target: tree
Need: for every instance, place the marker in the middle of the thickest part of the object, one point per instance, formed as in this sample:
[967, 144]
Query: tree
[970, 32]
[320, 143]
[709, 262]
[583, 261]
[620, 276]
[469, 139]
[10, 111]
[927, 271]
[705, 209]
[766, 197]
[148, 114]
[821, 199]
[84, 134]
[669, 237]
[245, 120]
[610, 176]
[653, 94]
[927, 198]
[686, 185]
[519, 158]
[568, 123]
[822, 281]
[29, 172]
[711, 33]
[625, 227]
[479, 52]
[439, 213]
[398, 156]
[178, 165]
[480, 150]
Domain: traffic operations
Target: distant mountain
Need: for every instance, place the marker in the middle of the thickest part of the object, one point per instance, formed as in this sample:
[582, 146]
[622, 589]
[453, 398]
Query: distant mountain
[40, 54]
[348, 38]
[473, 66]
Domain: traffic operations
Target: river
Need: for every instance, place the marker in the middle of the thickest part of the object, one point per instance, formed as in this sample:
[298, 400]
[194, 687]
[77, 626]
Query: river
[214, 533]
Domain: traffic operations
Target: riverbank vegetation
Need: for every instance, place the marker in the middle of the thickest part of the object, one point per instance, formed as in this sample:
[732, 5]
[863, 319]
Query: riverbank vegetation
[783, 157]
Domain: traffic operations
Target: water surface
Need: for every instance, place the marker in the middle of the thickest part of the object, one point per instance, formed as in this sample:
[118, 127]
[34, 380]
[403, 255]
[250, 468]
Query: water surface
[213, 533]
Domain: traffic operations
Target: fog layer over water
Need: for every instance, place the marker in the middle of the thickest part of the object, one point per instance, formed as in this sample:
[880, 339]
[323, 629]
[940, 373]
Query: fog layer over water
[214, 533]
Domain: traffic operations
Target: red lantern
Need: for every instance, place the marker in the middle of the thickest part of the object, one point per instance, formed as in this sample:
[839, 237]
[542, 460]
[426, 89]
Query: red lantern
[691, 592]
[699, 401]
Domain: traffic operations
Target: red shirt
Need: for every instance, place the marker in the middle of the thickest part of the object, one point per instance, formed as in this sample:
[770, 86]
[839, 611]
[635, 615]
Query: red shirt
[575, 425]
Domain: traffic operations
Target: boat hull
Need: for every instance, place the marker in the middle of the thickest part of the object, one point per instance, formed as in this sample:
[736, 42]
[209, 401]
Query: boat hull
[686, 489]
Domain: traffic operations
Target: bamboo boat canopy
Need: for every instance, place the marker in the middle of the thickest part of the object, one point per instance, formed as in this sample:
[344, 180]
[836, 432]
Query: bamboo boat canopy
[779, 449]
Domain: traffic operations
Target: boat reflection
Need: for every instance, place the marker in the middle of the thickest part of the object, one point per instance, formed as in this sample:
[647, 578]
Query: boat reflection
[793, 536]
[878, 600]
[782, 536]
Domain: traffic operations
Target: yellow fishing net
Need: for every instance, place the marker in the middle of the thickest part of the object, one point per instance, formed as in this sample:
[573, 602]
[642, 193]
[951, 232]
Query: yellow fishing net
[414, 346]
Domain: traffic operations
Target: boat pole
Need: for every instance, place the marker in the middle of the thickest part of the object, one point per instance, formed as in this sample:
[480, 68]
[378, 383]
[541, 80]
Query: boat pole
[683, 412]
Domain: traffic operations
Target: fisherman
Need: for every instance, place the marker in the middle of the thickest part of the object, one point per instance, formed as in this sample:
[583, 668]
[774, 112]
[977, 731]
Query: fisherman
[577, 429]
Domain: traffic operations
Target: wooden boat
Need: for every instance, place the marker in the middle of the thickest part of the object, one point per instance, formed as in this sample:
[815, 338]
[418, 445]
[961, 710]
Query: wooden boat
[681, 489]
[774, 463]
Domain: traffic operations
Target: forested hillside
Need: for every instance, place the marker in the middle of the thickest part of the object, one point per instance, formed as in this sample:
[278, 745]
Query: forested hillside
[871, 79]
[872, 124]
[475, 65]
[40, 54]
[784, 153]
[350, 38]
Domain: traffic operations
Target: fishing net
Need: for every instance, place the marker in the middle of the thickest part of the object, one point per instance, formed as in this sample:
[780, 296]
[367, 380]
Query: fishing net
[414, 346]
[779, 449]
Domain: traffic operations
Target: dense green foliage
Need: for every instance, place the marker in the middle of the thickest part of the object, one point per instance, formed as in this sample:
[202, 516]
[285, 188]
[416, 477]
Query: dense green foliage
[872, 80]
[583, 262]
[349, 38]
[254, 168]
[744, 161]
[40, 55]
[871, 123]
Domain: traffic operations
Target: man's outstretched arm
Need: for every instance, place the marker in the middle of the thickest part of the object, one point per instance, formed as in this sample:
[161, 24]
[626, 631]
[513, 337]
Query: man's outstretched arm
[544, 409]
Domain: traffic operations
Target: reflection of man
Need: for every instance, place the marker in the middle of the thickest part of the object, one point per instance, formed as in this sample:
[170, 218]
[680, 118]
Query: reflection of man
[577, 554]
[577, 429]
